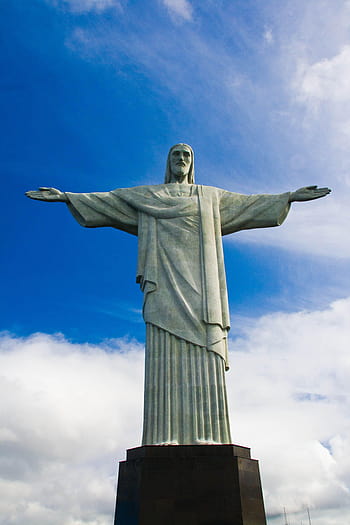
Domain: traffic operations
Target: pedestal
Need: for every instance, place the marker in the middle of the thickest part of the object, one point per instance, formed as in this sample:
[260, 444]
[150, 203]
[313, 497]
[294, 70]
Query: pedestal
[189, 485]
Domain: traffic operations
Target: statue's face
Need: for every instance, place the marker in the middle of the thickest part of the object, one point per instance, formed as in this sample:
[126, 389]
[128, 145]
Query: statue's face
[180, 163]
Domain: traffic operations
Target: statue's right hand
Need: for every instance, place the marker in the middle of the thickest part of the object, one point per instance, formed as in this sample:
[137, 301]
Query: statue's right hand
[47, 194]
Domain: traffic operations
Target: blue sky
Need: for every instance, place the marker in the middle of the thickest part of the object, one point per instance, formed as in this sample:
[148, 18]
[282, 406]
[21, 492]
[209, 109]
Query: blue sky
[94, 92]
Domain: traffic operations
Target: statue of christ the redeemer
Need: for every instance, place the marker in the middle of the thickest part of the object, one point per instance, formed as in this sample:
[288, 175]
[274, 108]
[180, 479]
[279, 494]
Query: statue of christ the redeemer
[181, 273]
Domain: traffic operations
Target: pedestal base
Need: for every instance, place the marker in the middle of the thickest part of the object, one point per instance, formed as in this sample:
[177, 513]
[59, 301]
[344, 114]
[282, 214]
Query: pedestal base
[189, 485]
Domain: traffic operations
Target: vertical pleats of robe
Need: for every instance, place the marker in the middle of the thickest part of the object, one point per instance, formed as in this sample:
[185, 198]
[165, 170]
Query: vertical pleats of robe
[185, 392]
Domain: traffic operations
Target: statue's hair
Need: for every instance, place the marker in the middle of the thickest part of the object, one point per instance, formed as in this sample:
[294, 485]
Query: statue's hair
[168, 175]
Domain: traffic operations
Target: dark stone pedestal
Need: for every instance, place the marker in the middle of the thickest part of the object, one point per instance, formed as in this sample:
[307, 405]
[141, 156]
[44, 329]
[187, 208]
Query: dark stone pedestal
[189, 485]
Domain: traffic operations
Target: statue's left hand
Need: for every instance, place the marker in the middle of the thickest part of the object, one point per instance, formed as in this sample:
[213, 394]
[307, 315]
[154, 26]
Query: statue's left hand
[308, 193]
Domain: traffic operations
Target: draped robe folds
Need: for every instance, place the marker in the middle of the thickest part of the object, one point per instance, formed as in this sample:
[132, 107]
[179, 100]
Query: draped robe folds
[182, 276]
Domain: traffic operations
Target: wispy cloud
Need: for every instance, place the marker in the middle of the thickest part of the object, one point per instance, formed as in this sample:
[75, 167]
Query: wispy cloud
[179, 8]
[272, 111]
[268, 36]
[327, 80]
[81, 6]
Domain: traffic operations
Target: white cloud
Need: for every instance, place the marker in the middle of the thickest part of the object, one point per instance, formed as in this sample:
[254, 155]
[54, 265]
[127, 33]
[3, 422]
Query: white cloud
[290, 401]
[180, 8]
[322, 90]
[268, 36]
[318, 228]
[315, 60]
[64, 424]
[70, 411]
[327, 80]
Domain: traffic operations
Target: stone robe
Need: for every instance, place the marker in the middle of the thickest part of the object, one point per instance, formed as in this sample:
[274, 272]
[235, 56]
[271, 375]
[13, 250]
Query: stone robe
[181, 273]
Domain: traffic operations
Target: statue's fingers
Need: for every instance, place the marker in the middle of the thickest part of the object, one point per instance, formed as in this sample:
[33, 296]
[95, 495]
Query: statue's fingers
[311, 187]
[319, 195]
[35, 195]
[322, 192]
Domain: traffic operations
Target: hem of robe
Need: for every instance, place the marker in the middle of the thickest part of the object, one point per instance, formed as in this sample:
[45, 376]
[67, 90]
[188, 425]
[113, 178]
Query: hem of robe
[218, 347]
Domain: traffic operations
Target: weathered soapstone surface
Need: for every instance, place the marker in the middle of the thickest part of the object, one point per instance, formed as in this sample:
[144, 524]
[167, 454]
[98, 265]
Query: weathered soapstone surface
[181, 272]
[189, 485]
[204, 480]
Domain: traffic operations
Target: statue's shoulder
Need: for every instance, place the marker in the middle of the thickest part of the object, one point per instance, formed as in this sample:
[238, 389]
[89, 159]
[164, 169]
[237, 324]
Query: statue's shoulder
[210, 191]
[221, 191]
[209, 188]
[147, 188]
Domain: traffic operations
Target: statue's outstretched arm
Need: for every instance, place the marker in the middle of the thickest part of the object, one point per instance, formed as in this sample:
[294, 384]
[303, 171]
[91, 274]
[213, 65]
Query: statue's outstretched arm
[308, 193]
[47, 194]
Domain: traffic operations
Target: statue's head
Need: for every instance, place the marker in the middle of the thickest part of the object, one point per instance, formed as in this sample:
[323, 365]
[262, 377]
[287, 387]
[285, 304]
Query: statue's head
[180, 164]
